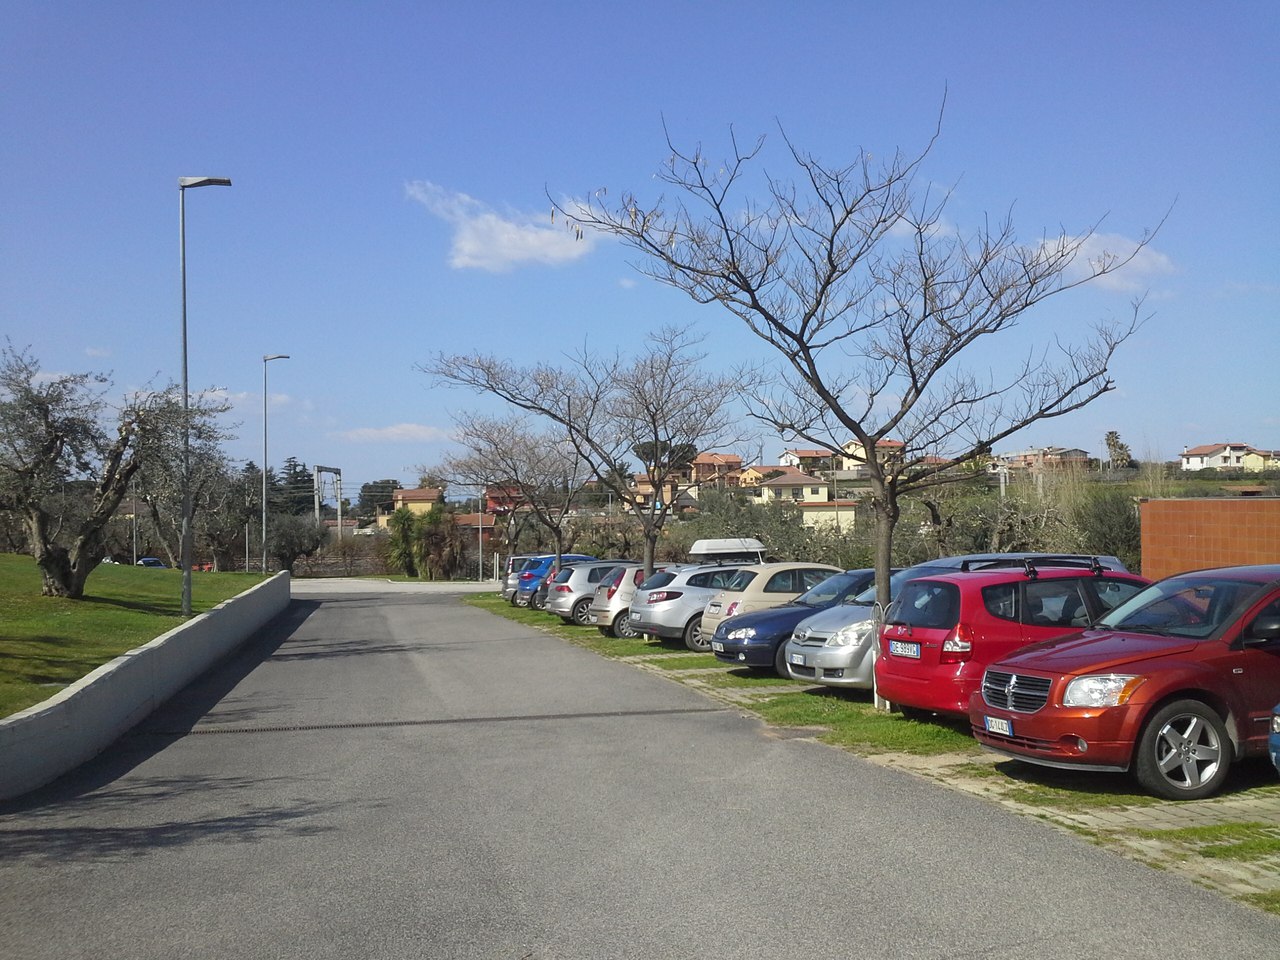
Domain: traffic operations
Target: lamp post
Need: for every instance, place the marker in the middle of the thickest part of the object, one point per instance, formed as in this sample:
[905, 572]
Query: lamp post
[265, 360]
[184, 183]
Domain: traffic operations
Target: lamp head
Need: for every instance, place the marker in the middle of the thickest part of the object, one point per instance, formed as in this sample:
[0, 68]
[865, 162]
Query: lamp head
[184, 182]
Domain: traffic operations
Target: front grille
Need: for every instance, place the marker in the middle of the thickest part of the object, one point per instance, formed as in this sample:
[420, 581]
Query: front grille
[800, 671]
[1014, 691]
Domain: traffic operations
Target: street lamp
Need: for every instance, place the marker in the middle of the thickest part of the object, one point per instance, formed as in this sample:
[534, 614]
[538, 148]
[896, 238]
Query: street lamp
[265, 360]
[183, 184]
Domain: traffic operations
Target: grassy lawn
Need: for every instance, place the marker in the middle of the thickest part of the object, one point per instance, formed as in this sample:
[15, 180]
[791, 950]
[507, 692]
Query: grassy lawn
[47, 643]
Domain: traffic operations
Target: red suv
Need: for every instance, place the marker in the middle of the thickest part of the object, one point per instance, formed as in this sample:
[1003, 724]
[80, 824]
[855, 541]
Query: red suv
[941, 631]
[1175, 684]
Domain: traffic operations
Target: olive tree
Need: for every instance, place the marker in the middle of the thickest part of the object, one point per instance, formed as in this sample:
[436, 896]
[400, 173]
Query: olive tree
[67, 458]
[877, 313]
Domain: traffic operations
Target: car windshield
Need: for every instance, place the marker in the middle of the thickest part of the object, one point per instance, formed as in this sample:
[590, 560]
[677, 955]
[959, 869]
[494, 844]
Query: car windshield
[831, 590]
[564, 575]
[660, 579]
[741, 580]
[1194, 607]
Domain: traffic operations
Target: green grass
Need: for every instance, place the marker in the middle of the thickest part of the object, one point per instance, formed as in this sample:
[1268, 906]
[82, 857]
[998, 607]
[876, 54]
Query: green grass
[852, 721]
[47, 643]
[1226, 841]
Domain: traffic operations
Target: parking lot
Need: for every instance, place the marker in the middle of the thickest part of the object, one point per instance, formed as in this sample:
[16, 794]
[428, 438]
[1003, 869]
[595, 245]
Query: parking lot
[1229, 843]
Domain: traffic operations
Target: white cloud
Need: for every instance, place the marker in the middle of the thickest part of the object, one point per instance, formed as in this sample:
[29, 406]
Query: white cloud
[627, 283]
[1136, 276]
[486, 240]
[398, 433]
[97, 352]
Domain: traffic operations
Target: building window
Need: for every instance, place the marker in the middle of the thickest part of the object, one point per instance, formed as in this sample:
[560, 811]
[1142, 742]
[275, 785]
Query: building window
[797, 493]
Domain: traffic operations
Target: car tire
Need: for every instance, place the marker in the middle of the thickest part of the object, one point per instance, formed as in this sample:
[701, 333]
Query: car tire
[622, 627]
[694, 638]
[780, 662]
[581, 611]
[1184, 752]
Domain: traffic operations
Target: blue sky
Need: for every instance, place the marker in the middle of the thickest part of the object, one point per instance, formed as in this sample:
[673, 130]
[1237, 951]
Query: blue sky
[391, 165]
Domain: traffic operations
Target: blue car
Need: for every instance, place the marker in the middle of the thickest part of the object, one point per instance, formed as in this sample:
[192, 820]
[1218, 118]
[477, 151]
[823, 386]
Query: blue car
[535, 571]
[1273, 742]
[757, 639]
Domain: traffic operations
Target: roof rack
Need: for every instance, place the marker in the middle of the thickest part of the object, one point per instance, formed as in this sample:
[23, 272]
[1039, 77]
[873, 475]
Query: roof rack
[1030, 564]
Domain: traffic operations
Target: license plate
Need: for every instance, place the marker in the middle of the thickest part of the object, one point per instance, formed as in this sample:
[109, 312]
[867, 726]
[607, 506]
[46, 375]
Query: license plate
[592, 618]
[997, 725]
[713, 609]
[635, 614]
[797, 659]
[717, 646]
[902, 648]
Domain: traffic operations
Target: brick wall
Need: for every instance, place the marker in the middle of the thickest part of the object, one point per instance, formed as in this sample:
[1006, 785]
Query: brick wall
[1181, 535]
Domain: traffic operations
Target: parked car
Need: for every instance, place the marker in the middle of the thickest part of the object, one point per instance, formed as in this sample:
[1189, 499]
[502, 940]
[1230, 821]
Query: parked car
[570, 593]
[760, 585]
[1273, 743]
[515, 563]
[670, 603]
[1175, 684]
[756, 640]
[943, 630]
[611, 604]
[533, 572]
[837, 647]
[151, 562]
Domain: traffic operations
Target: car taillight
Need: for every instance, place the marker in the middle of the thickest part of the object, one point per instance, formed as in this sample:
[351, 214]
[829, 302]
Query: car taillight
[610, 592]
[661, 596]
[958, 647]
[563, 588]
[526, 576]
[733, 607]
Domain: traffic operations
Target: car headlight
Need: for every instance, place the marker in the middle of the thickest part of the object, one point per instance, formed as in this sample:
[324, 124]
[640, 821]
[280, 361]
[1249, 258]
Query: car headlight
[1103, 690]
[1275, 723]
[742, 633]
[854, 635]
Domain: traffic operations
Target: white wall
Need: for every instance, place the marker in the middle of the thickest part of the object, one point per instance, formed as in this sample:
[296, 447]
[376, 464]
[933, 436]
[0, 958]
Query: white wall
[43, 742]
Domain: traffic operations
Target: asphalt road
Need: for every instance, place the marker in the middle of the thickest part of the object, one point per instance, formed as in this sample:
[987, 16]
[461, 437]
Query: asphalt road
[396, 775]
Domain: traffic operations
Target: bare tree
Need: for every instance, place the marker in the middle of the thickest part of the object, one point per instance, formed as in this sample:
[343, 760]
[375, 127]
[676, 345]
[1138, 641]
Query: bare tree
[876, 310]
[542, 470]
[611, 408]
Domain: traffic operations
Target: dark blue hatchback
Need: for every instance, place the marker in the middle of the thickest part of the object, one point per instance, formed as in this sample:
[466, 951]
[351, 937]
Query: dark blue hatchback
[757, 639]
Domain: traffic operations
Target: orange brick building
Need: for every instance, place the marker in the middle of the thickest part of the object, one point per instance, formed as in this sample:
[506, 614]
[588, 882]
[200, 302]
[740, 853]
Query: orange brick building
[1181, 535]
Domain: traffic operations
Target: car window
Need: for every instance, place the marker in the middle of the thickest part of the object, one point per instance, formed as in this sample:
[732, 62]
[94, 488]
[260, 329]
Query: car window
[1112, 593]
[638, 576]
[722, 578]
[740, 580]
[928, 604]
[1001, 601]
[564, 575]
[596, 574]
[781, 582]
[1055, 603]
[660, 579]
[811, 578]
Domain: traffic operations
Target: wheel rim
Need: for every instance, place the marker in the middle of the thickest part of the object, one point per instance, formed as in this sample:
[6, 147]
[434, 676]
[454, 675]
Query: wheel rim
[581, 611]
[1188, 751]
[693, 634]
[623, 626]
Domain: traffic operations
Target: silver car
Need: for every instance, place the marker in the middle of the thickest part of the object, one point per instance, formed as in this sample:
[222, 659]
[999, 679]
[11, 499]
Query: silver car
[570, 594]
[611, 604]
[670, 603]
[837, 647]
[511, 583]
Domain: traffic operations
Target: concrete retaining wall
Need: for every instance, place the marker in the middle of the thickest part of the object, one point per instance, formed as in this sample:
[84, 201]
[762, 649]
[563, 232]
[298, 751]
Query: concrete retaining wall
[43, 742]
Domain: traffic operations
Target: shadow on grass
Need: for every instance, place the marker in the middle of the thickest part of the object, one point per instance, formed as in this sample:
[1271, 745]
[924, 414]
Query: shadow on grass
[1250, 774]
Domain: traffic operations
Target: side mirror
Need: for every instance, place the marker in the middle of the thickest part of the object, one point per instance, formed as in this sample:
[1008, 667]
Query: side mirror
[1262, 630]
